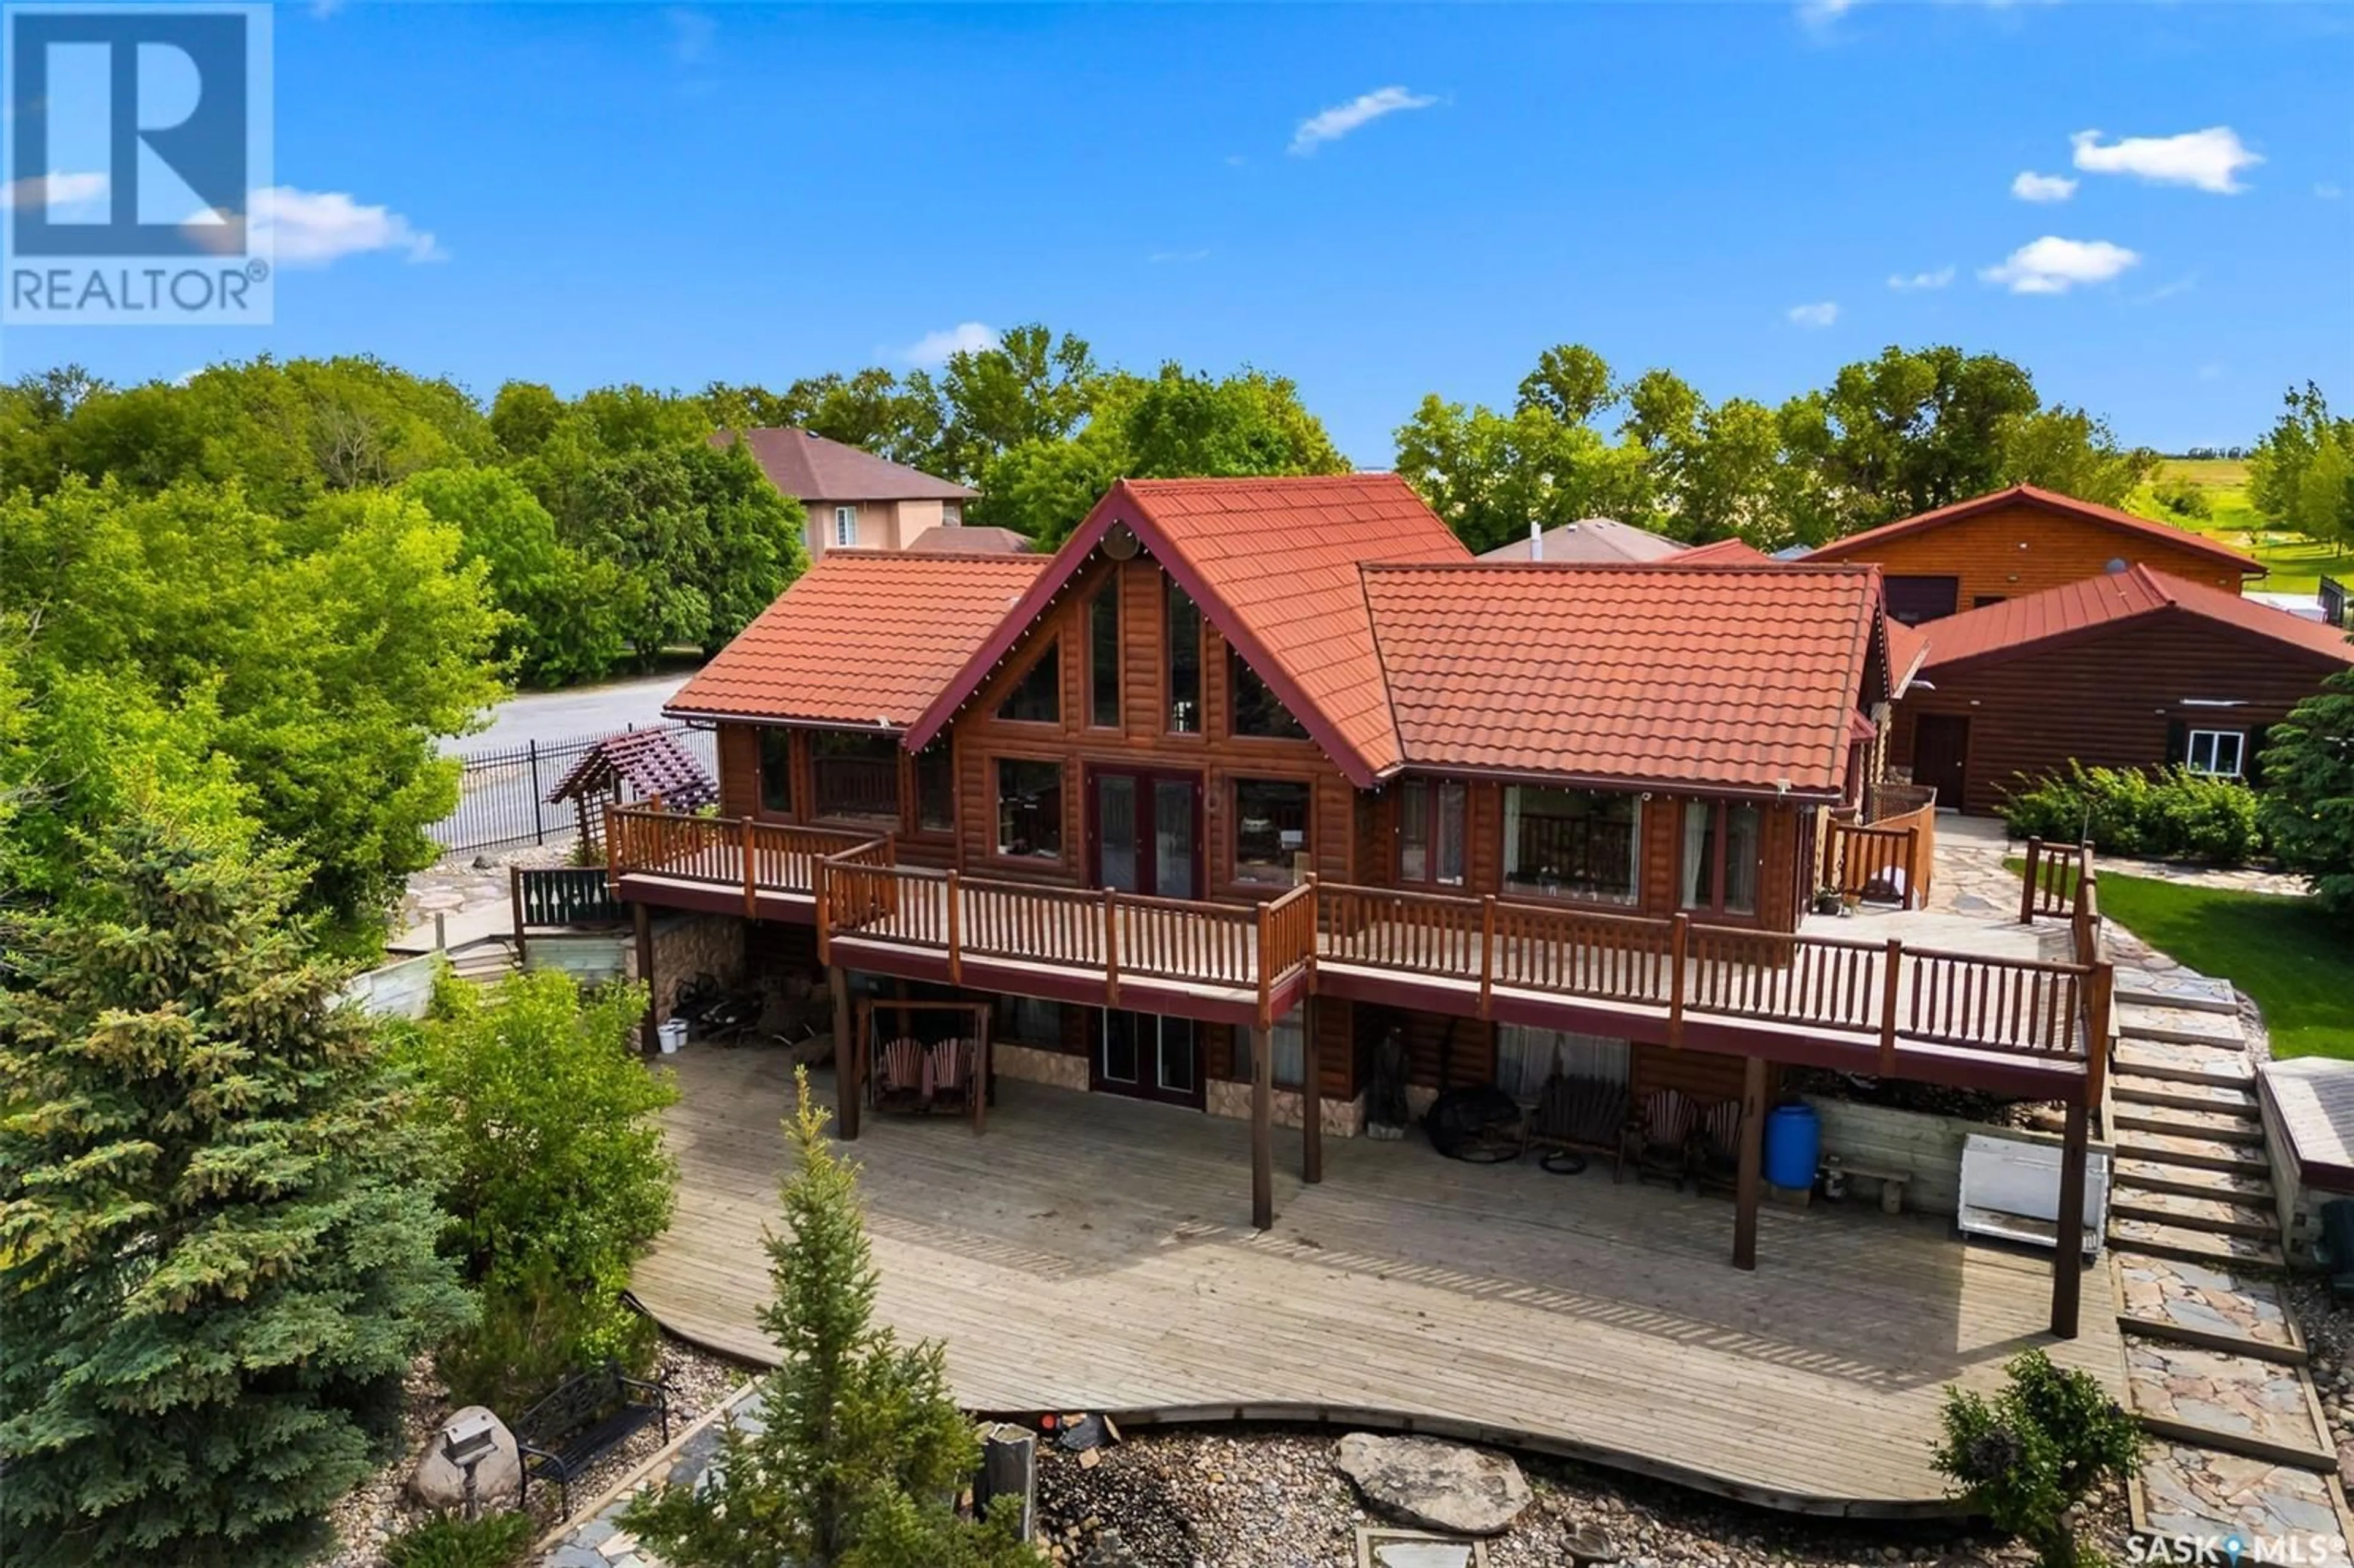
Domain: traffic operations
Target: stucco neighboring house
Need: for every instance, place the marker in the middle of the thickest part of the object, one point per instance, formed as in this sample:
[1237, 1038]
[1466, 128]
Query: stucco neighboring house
[856, 500]
[1589, 541]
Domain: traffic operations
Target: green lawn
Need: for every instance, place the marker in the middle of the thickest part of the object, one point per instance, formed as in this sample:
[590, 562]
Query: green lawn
[2296, 963]
[2293, 564]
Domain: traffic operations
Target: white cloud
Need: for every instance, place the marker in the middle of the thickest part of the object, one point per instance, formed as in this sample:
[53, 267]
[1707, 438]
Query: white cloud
[1937, 279]
[2028, 186]
[2168, 291]
[2209, 160]
[311, 229]
[2052, 265]
[55, 189]
[1823, 13]
[936, 348]
[1179, 258]
[1819, 315]
[2325, 191]
[691, 32]
[1342, 118]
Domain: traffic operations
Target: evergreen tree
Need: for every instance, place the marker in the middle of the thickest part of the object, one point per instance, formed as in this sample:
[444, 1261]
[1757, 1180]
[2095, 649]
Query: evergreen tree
[861, 1450]
[2309, 799]
[216, 1263]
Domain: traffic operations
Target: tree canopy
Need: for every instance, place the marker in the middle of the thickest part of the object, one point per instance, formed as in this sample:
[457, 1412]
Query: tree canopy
[2302, 472]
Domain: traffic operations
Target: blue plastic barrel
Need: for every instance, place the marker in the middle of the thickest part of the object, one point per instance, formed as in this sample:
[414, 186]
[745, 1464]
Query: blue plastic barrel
[1794, 1145]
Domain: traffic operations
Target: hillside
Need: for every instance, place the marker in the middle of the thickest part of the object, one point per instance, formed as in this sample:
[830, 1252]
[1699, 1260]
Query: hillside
[2295, 564]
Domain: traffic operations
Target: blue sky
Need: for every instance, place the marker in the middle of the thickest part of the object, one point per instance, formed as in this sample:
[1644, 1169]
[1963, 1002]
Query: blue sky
[583, 195]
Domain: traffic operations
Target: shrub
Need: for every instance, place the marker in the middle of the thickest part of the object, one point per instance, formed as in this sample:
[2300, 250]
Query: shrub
[2170, 814]
[534, 1333]
[2182, 498]
[2044, 1443]
[446, 1541]
[554, 1174]
[2308, 805]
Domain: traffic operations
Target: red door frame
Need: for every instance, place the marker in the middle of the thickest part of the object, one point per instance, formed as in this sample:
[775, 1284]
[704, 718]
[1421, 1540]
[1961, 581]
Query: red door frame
[1148, 865]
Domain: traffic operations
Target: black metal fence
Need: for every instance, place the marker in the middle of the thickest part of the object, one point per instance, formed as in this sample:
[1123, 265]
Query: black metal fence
[503, 795]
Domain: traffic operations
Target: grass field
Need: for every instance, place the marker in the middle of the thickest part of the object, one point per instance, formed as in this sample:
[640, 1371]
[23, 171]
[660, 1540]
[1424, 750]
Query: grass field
[2293, 564]
[2296, 963]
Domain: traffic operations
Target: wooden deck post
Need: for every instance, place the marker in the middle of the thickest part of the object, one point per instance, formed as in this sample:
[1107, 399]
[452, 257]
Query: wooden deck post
[1749, 1181]
[1679, 940]
[1111, 949]
[1262, 1130]
[1487, 953]
[751, 869]
[1892, 981]
[846, 1087]
[643, 915]
[1311, 1098]
[612, 852]
[2068, 1252]
[956, 931]
[515, 896]
[2027, 883]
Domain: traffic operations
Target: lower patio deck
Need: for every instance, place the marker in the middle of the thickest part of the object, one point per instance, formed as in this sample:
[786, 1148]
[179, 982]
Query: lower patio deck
[1096, 1254]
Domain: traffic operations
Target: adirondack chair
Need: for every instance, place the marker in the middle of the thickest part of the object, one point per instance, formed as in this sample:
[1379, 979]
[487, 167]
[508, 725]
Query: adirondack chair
[1716, 1146]
[1658, 1139]
[948, 1074]
[1577, 1115]
[899, 1082]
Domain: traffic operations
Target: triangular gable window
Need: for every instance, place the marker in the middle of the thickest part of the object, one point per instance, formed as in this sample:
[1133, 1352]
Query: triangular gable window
[1258, 710]
[1037, 697]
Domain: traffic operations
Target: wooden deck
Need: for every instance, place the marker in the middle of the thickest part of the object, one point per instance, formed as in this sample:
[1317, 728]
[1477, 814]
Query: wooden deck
[1092, 1252]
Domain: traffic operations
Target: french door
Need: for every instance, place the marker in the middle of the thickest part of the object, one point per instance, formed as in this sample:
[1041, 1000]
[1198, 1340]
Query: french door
[1144, 831]
[1147, 1056]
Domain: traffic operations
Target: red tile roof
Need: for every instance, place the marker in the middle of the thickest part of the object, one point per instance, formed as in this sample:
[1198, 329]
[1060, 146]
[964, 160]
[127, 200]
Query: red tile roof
[811, 468]
[1725, 553]
[1731, 677]
[1274, 565]
[1908, 649]
[2098, 604]
[866, 636]
[1593, 540]
[638, 763]
[2050, 501]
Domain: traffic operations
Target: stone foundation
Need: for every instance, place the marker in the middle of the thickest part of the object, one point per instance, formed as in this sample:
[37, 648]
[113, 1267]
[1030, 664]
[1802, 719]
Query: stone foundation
[686, 946]
[1342, 1118]
[1032, 1064]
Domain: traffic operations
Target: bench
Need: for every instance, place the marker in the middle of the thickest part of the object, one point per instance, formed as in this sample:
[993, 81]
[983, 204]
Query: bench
[1892, 1184]
[591, 1412]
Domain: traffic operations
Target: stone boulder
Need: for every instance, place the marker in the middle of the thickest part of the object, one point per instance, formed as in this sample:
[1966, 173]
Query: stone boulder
[1434, 1485]
[498, 1476]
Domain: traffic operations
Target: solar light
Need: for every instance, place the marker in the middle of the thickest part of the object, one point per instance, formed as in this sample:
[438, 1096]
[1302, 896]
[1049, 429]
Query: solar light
[466, 1441]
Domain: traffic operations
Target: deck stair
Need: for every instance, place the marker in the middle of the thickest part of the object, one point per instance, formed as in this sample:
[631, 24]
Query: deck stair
[2215, 1369]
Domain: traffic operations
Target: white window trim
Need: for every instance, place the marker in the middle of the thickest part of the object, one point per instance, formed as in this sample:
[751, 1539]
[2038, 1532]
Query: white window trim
[2215, 739]
[845, 527]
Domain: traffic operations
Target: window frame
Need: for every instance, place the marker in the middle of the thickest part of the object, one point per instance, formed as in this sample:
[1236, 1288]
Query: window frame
[2215, 737]
[1636, 829]
[1172, 593]
[1052, 654]
[845, 527]
[763, 736]
[946, 752]
[817, 808]
[1103, 610]
[1433, 794]
[1240, 1064]
[1233, 793]
[1238, 671]
[1714, 909]
[997, 840]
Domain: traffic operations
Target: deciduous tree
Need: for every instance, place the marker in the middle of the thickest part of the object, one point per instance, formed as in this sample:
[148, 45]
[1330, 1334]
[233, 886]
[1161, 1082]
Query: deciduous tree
[2308, 792]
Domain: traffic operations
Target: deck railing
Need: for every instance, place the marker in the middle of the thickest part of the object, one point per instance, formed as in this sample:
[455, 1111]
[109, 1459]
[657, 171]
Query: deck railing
[2049, 884]
[1894, 856]
[736, 851]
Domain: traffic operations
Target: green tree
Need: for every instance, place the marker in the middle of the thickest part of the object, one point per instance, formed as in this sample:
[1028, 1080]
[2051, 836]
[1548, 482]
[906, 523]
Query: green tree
[551, 1158]
[2302, 473]
[2069, 451]
[1030, 386]
[2308, 792]
[861, 1450]
[321, 655]
[2040, 1446]
[219, 1258]
[1492, 475]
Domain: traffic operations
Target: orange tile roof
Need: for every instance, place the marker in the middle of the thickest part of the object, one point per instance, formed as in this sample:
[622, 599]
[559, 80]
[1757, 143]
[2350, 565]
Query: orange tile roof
[2050, 501]
[1908, 649]
[1733, 677]
[1274, 565]
[2096, 604]
[866, 636]
[1725, 551]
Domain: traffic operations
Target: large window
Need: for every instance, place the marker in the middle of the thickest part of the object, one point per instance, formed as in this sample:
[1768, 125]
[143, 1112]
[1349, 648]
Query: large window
[1289, 1039]
[1029, 808]
[1258, 711]
[856, 774]
[2221, 752]
[1185, 619]
[1270, 826]
[1037, 697]
[936, 787]
[1430, 831]
[1723, 844]
[1572, 843]
[775, 770]
[1103, 655]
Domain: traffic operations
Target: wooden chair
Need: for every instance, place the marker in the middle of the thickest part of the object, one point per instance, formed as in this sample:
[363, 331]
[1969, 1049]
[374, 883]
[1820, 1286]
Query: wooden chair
[899, 1082]
[948, 1074]
[1716, 1146]
[1578, 1115]
[1658, 1138]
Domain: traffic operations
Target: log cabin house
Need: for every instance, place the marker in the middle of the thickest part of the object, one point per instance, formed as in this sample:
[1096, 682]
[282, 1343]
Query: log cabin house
[2022, 541]
[2130, 668]
[1257, 781]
